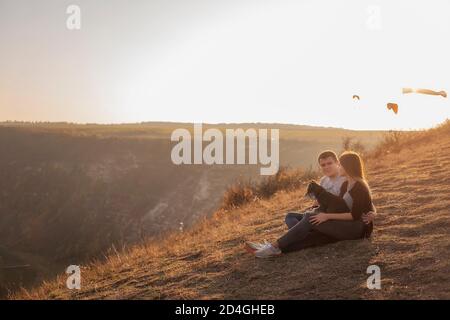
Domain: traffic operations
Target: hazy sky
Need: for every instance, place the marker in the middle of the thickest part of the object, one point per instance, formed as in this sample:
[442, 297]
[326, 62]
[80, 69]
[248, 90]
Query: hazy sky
[226, 61]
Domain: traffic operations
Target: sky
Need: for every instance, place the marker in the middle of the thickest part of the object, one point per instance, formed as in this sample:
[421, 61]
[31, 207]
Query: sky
[217, 61]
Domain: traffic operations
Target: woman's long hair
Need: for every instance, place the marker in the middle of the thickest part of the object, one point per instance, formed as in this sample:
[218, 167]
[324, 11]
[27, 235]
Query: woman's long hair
[354, 166]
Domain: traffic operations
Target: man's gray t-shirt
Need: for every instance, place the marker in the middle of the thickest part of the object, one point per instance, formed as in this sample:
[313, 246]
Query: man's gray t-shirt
[332, 185]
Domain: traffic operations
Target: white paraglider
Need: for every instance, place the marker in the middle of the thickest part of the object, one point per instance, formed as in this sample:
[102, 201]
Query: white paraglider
[425, 91]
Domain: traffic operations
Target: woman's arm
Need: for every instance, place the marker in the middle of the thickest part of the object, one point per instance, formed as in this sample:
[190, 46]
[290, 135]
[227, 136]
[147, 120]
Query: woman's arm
[362, 203]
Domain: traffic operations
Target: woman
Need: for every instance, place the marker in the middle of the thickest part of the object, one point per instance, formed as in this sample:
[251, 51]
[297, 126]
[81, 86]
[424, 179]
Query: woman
[340, 226]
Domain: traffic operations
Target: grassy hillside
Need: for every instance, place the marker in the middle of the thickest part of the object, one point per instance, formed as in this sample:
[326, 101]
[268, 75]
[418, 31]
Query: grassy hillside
[71, 192]
[409, 178]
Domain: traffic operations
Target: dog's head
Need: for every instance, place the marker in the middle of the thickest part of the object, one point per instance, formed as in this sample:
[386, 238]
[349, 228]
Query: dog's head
[313, 191]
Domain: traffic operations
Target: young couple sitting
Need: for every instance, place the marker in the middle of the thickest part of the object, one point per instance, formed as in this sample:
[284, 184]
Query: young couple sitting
[343, 211]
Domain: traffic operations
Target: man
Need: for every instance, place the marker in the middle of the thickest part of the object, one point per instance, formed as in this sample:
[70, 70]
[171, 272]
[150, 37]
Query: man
[331, 182]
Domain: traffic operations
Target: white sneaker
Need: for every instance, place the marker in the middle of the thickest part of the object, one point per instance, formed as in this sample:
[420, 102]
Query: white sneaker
[268, 251]
[255, 246]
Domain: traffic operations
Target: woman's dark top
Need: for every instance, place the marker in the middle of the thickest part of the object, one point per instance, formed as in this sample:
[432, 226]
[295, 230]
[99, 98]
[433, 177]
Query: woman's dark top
[362, 202]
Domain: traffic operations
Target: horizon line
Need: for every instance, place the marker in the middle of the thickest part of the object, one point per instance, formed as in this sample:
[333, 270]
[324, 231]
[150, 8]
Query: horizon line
[74, 123]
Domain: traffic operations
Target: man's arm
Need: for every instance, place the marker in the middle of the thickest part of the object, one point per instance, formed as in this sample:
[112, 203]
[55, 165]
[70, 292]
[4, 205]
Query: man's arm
[369, 217]
[322, 217]
[339, 216]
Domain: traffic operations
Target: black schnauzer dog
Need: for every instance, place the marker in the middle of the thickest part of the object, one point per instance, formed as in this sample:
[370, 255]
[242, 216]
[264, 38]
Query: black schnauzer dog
[328, 202]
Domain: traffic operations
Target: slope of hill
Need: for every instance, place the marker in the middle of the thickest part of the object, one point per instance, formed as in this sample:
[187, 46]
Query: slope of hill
[410, 244]
[70, 192]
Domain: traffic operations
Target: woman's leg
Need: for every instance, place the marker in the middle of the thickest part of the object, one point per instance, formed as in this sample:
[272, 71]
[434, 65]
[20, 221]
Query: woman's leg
[341, 230]
[292, 218]
[313, 239]
[296, 233]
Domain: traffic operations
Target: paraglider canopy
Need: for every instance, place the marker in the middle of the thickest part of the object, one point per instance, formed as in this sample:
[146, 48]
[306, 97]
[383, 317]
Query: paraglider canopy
[393, 107]
[425, 91]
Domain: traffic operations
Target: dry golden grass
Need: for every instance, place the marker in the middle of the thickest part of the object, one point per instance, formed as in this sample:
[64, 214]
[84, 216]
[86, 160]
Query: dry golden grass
[285, 179]
[411, 244]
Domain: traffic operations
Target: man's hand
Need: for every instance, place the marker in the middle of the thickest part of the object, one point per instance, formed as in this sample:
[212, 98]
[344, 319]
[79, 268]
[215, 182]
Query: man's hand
[368, 217]
[318, 218]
